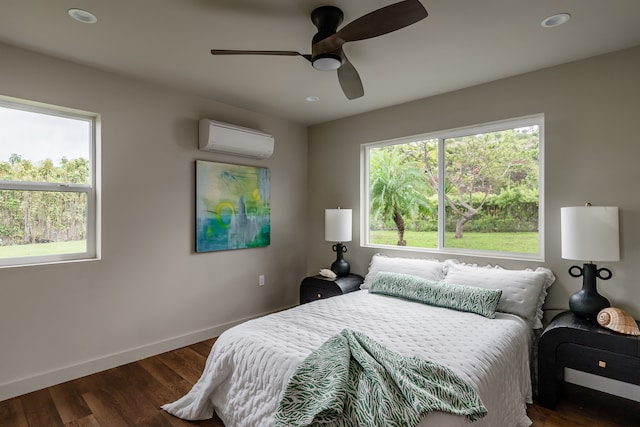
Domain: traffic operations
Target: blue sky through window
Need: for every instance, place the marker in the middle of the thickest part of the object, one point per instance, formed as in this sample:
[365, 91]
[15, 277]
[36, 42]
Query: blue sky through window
[35, 136]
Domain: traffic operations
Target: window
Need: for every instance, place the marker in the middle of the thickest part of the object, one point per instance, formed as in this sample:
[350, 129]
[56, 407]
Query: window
[47, 183]
[474, 191]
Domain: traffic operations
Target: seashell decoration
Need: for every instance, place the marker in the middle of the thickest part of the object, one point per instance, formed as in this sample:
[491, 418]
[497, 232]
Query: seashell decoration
[618, 320]
[328, 273]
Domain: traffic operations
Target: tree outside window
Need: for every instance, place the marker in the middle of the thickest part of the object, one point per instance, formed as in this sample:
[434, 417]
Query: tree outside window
[475, 190]
[47, 184]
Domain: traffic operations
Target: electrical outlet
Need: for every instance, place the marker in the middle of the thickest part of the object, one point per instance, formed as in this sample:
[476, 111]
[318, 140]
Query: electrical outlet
[261, 280]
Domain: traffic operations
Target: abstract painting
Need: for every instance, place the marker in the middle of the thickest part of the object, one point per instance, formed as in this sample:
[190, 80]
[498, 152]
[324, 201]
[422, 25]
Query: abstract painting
[232, 206]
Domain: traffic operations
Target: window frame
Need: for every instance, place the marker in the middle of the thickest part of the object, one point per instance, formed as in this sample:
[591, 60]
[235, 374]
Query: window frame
[441, 136]
[89, 189]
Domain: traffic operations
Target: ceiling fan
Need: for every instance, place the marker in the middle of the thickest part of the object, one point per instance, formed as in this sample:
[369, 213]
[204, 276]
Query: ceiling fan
[326, 45]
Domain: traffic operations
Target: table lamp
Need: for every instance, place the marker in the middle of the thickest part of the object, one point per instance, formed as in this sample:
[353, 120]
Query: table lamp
[337, 228]
[589, 233]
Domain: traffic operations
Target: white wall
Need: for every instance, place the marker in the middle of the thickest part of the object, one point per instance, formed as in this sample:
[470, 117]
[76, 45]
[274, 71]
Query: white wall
[592, 147]
[150, 292]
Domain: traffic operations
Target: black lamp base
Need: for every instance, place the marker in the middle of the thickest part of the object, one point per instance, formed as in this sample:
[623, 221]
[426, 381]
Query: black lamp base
[587, 302]
[340, 266]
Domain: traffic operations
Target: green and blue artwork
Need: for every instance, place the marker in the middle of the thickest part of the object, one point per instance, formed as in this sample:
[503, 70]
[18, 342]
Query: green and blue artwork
[232, 206]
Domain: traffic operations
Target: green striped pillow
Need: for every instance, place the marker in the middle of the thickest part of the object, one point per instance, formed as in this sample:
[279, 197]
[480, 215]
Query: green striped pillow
[448, 295]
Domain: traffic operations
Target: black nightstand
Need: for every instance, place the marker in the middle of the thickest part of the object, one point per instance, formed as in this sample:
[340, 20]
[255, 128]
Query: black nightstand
[572, 342]
[318, 287]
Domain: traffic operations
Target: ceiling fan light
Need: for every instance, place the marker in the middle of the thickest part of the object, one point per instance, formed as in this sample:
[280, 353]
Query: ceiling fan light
[326, 62]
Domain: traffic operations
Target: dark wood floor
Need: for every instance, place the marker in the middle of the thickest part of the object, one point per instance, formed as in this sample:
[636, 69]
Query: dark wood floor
[131, 395]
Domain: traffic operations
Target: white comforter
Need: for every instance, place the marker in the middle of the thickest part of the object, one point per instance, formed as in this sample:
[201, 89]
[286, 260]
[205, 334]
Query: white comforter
[250, 364]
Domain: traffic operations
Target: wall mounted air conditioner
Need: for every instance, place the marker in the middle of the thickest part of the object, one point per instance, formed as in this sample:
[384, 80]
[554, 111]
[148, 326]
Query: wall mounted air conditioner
[225, 138]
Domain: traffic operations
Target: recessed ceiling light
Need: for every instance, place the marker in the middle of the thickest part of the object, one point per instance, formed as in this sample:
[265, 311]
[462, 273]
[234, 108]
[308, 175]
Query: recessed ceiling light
[555, 20]
[312, 98]
[83, 16]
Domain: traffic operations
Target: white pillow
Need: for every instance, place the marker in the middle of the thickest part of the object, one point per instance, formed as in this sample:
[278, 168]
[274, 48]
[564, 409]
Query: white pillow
[523, 291]
[428, 269]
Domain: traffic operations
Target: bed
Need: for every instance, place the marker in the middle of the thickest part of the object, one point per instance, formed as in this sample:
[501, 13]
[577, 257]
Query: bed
[250, 365]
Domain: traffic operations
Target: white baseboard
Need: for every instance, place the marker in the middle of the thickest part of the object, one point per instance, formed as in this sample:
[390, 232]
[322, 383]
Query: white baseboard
[607, 385]
[67, 373]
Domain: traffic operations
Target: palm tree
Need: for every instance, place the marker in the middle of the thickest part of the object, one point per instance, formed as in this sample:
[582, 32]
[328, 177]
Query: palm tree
[398, 188]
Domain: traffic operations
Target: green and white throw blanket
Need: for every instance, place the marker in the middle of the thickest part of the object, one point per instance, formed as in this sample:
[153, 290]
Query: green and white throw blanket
[352, 380]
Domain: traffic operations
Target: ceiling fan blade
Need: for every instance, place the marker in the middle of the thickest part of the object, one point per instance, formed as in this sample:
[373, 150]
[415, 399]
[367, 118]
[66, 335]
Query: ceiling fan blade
[349, 79]
[260, 52]
[382, 21]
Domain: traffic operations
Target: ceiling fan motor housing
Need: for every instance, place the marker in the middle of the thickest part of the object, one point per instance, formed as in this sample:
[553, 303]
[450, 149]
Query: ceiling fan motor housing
[326, 19]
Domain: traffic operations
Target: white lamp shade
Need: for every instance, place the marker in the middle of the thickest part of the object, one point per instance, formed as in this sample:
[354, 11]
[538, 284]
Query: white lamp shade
[337, 225]
[590, 233]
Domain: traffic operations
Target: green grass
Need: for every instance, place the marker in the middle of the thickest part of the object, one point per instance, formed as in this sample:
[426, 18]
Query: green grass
[37, 249]
[502, 242]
